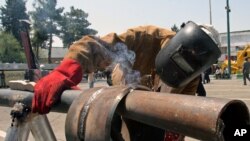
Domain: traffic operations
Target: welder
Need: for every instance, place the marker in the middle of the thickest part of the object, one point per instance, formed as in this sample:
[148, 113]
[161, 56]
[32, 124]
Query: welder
[175, 60]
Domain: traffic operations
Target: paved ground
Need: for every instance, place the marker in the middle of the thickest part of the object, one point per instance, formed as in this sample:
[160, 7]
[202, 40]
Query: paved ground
[232, 89]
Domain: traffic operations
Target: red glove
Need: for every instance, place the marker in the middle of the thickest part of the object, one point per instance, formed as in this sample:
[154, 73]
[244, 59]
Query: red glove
[49, 89]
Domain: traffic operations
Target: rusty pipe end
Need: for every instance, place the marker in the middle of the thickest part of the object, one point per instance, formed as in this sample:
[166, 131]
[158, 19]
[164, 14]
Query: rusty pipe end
[234, 115]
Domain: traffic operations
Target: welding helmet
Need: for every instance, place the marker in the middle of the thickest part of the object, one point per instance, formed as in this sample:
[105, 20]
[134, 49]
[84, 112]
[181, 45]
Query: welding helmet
[191, 51]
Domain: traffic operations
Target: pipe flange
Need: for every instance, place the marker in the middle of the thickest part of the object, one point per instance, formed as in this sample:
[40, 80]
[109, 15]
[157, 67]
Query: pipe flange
[90, 115]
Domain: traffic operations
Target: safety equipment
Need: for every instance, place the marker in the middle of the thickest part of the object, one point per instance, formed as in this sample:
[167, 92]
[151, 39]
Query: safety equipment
[190, 52]
[49, 89]
[211, 32]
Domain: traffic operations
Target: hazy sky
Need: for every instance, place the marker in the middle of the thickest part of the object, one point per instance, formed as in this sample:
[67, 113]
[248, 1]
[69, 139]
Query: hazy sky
[118, 15]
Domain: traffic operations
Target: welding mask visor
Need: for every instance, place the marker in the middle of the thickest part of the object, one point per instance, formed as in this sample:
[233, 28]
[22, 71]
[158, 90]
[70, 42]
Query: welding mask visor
[190, 52]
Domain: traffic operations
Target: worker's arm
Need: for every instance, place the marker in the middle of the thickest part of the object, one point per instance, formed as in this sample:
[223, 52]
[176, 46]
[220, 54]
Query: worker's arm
[84, 56]
[90, 53]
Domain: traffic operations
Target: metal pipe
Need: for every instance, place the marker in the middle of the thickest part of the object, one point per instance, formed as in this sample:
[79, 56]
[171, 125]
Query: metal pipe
[18, 132]
[210, 12]
[24, 131]
[178, 113]
[90, 115]
[41, 129]
[9, 97]
[228, 39]
[199, 117]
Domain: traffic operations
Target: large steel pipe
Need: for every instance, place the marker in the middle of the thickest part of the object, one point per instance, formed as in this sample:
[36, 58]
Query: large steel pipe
[9, 97]
[91, 115]
[198, 117]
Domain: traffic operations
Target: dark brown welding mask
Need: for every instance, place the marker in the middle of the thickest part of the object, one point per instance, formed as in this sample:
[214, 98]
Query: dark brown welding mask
[191, 51]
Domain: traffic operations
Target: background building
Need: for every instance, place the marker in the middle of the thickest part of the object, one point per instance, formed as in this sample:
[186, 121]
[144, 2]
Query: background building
[238, 41]
[57, 54]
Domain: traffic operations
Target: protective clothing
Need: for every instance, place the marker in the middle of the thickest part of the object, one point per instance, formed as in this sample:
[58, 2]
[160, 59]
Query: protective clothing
[91, 53]
[146, 42]
[94, 53]
[190, 52]
[49, 89]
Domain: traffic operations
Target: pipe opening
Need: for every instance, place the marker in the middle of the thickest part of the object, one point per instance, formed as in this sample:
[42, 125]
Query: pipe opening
[234, 115]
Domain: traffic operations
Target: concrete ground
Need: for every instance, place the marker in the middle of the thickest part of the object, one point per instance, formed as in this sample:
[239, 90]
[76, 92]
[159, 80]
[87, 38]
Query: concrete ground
[232, 89]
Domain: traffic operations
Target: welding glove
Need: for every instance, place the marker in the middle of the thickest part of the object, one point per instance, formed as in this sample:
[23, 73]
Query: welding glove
[48, 90]
[84, 56]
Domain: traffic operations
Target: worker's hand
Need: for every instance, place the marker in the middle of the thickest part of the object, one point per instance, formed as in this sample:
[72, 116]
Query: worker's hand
[123, 74]
[48, 90]
[92, 53]
[118, 75]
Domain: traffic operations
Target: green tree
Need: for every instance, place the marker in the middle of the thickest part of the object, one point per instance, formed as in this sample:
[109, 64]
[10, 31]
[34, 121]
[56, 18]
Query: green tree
[175, 28]
[11, 14]
[39, 40]
[10, 50]
[46, 17]
[75, 25]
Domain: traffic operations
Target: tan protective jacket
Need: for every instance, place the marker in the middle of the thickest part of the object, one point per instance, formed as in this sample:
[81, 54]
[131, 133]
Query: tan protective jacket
[145, 41]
